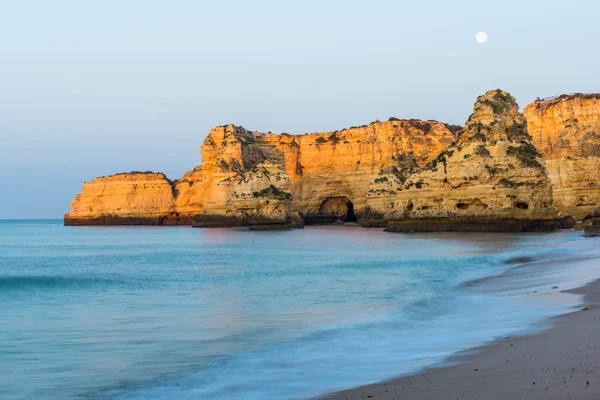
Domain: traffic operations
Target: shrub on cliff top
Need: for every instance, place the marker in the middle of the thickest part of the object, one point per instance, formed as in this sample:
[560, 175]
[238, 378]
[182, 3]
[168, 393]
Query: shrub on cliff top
[503, 97]
[550, 101]
[422, 125]
[333, 138]
[134, 173]
[571, 96]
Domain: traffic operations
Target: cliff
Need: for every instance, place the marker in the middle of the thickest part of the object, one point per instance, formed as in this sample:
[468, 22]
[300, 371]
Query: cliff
[254, 174]
[566, 130]
[491, 178]
[408, 174]
[141, 198]
[256, 177]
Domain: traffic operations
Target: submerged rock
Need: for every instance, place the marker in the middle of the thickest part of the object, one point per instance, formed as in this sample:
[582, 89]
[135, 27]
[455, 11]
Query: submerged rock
[592, 229]
[591, 224]
[567, 222]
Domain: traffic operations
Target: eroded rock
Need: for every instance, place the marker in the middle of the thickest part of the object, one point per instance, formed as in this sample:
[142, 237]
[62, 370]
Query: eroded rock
[492, 178]
[566, 130]
[592, 229]
[136, 198]
[419, 174]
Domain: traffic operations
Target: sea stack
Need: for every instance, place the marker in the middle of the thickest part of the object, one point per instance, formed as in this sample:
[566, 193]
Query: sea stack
[134, 198]
[491, 179]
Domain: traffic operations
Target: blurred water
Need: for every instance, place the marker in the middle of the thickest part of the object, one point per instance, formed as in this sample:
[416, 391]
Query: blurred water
[161, 313]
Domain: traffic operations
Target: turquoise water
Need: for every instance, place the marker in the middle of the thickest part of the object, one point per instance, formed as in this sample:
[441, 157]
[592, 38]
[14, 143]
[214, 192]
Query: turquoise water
[161, 313]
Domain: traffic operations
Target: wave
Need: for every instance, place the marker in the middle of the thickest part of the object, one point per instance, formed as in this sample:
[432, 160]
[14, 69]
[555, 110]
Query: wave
[516, 264]
[29, 282]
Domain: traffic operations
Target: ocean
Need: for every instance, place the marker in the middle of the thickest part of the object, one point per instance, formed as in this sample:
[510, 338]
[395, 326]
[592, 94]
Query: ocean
[176, 312]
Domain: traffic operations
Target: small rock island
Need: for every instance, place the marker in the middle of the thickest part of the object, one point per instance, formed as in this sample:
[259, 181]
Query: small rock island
[504, 171]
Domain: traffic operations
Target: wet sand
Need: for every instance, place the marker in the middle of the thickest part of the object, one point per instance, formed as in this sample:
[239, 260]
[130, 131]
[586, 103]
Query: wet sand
[560, 363]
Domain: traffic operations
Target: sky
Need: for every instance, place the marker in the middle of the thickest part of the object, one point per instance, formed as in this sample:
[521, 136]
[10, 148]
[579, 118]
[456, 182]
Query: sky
[95, 88]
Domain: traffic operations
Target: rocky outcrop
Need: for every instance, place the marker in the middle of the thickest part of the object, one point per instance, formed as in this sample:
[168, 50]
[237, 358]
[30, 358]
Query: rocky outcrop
[592, 229]
[566, 130]
[492, 178]
[189, 194]
[405, 174]
[324, 176]
[243, 178]
[587, 220]
[136, 198]
[321, 177]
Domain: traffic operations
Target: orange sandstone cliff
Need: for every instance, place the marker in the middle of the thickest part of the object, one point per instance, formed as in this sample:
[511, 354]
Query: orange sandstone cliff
[491, 179]
[126, 198]
[408, 174]
[566, 130]
[253, 176]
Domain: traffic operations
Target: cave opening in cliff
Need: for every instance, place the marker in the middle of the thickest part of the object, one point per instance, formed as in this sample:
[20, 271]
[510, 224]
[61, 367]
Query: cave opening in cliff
[333, 210]
[350, 216]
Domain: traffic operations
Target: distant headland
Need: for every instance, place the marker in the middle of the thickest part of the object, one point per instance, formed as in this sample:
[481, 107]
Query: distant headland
[503, 171]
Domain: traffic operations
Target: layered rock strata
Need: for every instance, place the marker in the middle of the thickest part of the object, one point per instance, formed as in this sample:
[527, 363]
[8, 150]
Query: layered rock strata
[405, 174]
[566, 130]
[491, 179]
[253, 178]
[135, 198]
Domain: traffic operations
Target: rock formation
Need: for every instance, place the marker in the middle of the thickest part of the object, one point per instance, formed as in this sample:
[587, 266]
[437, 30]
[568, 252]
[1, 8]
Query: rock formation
[566, 130]
[136, 198]
[404, 174]
[591, 224]
[251, 178]
[492, 178]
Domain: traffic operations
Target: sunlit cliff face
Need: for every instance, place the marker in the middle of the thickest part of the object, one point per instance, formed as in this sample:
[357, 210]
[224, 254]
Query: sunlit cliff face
[249, 173]
[396, 169]
[566, 130]
[492, 170]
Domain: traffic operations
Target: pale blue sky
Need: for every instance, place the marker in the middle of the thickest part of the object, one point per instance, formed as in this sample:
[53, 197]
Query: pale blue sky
[95, 88]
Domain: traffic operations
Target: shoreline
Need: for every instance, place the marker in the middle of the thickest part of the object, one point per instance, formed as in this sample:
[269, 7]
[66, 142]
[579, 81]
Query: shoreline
[560, 362]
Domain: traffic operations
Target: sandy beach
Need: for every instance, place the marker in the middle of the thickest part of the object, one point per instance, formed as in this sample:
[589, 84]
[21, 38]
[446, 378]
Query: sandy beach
[562, 362]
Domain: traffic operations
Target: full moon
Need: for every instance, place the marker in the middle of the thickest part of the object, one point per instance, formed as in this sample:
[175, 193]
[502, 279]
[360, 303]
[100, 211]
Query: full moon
[481, 37]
